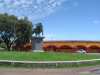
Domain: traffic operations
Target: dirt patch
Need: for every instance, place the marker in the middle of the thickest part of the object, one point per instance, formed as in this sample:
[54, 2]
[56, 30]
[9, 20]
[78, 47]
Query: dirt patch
[65, 71]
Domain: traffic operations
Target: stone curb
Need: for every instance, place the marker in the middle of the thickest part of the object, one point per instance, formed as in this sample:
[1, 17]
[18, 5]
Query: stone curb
[78, 61]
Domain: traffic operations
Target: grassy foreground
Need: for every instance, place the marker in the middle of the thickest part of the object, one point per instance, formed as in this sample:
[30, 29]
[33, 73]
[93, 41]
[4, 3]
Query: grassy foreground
[30, 56]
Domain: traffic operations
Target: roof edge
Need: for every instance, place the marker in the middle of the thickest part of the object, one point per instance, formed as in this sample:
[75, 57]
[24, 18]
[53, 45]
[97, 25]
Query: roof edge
[72, 41]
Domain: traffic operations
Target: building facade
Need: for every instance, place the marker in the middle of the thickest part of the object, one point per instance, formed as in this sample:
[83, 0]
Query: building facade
[72, 46]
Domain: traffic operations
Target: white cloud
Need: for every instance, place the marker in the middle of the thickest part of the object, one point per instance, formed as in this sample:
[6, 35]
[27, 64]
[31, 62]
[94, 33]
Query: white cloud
[36, 8]
[50, 36]
[93, 20]
[96, 21]
[40, 1]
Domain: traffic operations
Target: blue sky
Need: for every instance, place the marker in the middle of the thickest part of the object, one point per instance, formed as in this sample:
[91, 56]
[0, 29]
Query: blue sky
[62, 19]
[74, 20]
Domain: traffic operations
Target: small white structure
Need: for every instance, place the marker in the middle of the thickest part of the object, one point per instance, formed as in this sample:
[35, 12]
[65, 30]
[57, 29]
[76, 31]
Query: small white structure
[81, 51]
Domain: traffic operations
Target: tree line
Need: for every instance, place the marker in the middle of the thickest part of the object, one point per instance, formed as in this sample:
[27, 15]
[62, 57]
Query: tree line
[15, 31]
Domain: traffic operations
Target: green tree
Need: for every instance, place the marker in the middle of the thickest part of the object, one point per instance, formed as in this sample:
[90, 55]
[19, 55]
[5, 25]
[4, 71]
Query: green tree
[23, 31]
[14, 30]
[7, 29]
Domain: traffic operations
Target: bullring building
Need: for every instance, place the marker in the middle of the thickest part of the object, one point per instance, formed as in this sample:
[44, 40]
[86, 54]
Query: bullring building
[72, 46]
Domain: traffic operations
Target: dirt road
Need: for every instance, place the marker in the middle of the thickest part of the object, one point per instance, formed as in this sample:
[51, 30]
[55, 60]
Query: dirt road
[65, 71]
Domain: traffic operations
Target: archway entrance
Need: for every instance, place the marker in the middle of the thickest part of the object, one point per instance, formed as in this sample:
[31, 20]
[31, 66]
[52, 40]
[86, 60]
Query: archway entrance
[66, 48]
[94, 49]
[81, 47]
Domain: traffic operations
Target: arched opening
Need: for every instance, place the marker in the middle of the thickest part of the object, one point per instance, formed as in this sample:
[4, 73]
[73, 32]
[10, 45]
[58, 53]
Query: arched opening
[81, 47]
[50, 48]
[94, 49]
[65, 48]
[44, 48]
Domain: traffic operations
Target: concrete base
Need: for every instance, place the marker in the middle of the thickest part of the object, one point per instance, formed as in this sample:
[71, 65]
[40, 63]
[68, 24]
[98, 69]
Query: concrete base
[37, 44]
[38, 50]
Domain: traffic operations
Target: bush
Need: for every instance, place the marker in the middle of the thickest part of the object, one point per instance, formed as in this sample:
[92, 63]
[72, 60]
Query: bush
[26, 47]
[2, 45]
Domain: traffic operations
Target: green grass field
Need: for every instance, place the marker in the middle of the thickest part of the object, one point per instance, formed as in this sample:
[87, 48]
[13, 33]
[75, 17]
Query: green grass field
[30, 56]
